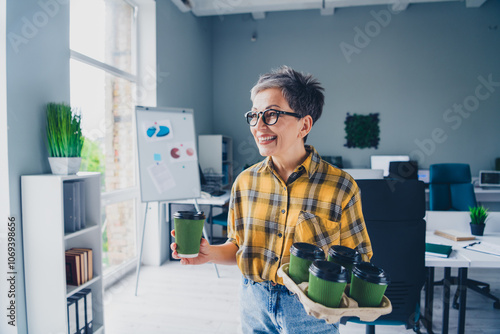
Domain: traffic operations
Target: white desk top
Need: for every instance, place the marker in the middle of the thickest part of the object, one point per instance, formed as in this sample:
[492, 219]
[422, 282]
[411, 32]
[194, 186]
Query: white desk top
[455, 260]
[460, 257]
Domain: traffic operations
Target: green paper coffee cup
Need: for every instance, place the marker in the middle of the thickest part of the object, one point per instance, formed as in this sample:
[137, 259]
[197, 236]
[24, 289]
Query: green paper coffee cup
[368, 284]
[188, 227]
[327, 282]
[302, 255]
[345, 256]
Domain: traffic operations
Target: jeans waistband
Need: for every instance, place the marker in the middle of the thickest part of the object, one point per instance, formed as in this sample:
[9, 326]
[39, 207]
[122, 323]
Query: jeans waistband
[269, 285]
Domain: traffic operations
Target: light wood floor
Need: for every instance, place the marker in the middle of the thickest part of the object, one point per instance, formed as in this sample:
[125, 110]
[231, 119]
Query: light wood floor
[186, 299]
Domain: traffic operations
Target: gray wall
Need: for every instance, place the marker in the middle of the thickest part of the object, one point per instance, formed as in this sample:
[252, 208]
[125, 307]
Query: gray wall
[37, 73]
[415, 66]
[184, 58]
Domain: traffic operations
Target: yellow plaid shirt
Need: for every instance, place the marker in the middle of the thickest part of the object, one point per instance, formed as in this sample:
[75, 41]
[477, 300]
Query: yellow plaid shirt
[319, 204]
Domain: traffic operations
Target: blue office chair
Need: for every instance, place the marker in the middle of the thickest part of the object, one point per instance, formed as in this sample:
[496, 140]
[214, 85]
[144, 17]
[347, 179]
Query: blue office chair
[450, 189]
[220, 219]
[394, 216]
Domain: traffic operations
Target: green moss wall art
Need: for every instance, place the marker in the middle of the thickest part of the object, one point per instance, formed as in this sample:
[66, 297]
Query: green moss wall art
[362, 131]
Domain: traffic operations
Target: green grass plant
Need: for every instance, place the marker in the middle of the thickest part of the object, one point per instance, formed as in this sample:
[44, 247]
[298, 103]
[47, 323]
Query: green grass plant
[64, 132]
[478, 215]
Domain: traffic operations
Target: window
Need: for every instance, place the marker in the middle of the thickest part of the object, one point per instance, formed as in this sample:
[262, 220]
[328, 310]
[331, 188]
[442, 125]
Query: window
[103, 84]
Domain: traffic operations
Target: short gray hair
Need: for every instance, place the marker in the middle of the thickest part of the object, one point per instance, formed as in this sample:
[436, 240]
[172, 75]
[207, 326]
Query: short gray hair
[303, 92]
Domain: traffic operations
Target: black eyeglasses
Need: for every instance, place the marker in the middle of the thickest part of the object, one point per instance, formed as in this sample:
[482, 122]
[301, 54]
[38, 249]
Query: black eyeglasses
[269, 116]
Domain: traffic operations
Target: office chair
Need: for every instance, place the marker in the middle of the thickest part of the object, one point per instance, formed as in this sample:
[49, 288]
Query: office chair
[406, 170]
[394, 217]
[450, 189]
[220, 219]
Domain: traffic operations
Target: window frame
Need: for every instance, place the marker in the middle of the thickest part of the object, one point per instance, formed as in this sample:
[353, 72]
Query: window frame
[131, 193]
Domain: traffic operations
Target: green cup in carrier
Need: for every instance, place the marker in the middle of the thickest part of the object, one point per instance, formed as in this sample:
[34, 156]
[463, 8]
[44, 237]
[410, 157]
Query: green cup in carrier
[368, 284]
[327, 282]
[302, 255]
[345, 256]
[188, 227]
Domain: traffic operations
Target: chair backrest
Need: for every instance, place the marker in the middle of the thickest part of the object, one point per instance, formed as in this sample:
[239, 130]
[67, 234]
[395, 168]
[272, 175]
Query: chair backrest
[407, 170]
[450, 187]
[394, 215]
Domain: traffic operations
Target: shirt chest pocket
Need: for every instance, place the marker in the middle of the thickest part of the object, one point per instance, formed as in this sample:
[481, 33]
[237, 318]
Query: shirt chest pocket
[316, 230]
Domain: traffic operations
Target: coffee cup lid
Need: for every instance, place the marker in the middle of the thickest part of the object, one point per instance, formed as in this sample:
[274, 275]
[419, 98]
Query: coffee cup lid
[189, 215]
[329, 271]
[307, 251]
[371, 273]
[344, 254]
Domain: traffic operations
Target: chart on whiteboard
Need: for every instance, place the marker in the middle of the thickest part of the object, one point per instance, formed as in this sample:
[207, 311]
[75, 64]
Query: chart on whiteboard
[168, 161]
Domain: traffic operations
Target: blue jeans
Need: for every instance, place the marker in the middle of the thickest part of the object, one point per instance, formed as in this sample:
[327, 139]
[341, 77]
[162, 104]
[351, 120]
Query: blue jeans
[273, 309]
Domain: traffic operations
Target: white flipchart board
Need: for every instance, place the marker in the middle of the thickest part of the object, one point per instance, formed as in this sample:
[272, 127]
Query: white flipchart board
[168, 160]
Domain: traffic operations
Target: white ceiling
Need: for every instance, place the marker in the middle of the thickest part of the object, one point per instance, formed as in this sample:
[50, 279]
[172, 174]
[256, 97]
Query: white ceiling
[259, 8]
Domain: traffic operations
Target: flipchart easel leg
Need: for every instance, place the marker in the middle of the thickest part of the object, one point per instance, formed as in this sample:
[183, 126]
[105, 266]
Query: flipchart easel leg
[138, 270]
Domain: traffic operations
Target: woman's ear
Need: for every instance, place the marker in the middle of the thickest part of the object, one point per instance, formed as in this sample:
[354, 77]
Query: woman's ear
[307, 123]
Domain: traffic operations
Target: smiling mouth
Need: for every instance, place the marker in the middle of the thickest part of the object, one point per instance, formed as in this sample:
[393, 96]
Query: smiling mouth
[266, 139]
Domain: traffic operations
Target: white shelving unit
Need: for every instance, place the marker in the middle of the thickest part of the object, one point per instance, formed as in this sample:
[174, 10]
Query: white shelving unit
[45, 243]
[216, 156]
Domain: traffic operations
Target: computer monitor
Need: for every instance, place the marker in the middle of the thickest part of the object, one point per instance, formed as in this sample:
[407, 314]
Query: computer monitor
[383, 161]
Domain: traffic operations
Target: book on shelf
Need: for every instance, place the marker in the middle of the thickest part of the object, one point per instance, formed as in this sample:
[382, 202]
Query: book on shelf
[90, 262]
[79, 266]
[437, 250]
[83, 263]
[454, 235]
[73, 269]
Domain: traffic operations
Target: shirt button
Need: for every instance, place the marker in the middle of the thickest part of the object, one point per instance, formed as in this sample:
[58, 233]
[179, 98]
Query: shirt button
[280, 235]
[284, 188]
[276, 259]
[283, 211]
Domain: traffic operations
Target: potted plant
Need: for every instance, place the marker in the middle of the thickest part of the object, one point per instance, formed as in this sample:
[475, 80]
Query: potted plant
[478, 215]
[65, 139]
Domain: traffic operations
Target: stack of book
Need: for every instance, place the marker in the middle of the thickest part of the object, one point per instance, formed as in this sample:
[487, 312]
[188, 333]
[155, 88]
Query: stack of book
[78, 266]
[74, 205]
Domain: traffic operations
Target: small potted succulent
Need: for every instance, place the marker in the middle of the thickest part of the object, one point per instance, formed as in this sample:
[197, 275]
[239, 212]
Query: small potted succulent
[65, 139]
[478, 215]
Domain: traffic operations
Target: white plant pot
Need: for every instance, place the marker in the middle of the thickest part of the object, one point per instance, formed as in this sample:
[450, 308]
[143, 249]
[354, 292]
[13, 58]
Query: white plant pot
[65, 166]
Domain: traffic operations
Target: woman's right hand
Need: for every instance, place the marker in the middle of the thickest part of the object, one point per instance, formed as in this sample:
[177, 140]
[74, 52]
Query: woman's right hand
[203, 255]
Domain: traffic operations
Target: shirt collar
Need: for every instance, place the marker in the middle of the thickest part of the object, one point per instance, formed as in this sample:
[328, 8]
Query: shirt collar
[311, 164]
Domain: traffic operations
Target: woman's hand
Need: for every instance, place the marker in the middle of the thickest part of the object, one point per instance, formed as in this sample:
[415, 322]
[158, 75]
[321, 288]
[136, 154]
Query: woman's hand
[203, 255]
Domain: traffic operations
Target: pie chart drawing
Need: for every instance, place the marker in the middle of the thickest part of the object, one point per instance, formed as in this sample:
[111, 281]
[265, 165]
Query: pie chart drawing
[151, 131]
[175, 153]
[164, 130]
[190, 152]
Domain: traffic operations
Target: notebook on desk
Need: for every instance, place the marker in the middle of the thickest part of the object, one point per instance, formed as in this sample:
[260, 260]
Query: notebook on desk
[484, 247]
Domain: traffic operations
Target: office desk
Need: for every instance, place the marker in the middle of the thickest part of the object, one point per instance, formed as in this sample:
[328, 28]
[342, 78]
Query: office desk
[215, 201]
[462, 259]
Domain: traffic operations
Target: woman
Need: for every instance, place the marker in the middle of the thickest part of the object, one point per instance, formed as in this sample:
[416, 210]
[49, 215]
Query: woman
[291, 196]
